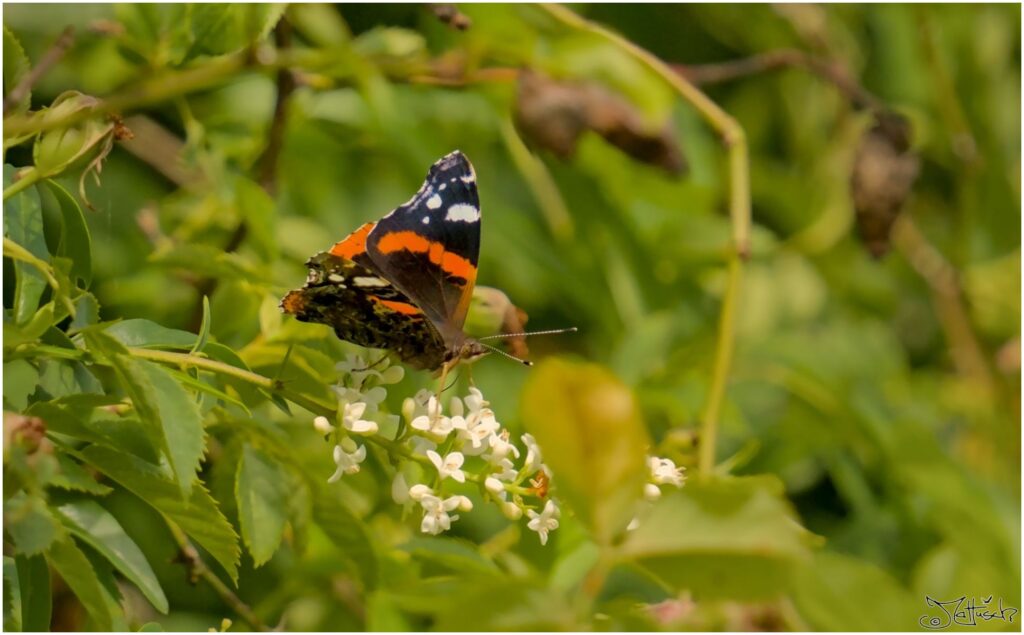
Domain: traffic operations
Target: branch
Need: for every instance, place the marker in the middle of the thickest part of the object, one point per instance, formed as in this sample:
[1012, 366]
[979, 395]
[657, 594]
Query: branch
[735, 142]
[51, 57]
[197, 570]
[831, 72]
[943, 279]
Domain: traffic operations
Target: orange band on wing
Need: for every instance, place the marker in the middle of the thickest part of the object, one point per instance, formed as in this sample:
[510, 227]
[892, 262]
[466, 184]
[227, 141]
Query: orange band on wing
[401, 307]
[354, 244]
[451, 263]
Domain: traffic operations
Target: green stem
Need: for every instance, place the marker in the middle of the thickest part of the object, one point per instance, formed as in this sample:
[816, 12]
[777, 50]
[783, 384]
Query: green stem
[735, 142]
[720, 373]
[28, 178]
[164, 87]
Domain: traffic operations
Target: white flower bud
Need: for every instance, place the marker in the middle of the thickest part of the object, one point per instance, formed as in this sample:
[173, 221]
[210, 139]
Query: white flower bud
[511, 510]
[465, 505]
[418, 491]
[323, 425]
[651, 492]
[494, 486]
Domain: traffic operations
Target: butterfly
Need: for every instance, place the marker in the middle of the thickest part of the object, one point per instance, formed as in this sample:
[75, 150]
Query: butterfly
[405, 282]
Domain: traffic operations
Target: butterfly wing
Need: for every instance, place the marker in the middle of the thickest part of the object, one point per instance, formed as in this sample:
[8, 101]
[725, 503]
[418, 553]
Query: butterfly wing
[428, 247]
[346, 292]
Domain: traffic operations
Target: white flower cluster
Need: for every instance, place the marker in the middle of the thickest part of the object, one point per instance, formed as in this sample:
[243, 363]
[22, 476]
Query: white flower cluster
[443, 452]
[662, 472]
[360, 393]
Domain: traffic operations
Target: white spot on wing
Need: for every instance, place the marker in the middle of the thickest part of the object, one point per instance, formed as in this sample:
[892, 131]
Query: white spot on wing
[334, 277]
[426, 220]
[434, 202]
[369, 281]
[463, 213]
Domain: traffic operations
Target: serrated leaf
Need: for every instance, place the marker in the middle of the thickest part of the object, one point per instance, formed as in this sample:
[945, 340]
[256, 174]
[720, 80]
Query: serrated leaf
[73, 477]
[93, 525]
[589, 429]
[16, 66]
[34, 589]
[12, 596]
[30, 523]
[23, 223]
[736, 539]
[76, 570]
[167, 409]
[262, 493]
[346, 531]
[198, 516]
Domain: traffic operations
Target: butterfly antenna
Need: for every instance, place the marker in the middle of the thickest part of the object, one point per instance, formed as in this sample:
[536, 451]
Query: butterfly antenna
[571, 329]
[504, 354]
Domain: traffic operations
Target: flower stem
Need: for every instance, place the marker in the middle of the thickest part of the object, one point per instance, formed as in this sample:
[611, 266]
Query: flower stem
[720, 376]
[735, 142]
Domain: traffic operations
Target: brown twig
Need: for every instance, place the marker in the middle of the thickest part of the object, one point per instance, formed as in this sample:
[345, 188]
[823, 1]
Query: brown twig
[830, 71]
[267, 163]
[159, 148]
[944, 281]
[51, 57]
[197, 570]
[450, 15]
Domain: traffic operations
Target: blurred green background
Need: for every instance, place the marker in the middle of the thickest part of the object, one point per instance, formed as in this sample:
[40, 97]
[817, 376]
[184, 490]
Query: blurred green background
[884, 392]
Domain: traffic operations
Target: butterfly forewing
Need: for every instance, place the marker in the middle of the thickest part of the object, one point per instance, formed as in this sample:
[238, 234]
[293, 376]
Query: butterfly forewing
[428, 247]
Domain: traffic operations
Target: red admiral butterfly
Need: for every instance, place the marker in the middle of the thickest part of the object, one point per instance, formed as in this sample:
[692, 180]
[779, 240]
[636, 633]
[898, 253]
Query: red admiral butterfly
[405, 282]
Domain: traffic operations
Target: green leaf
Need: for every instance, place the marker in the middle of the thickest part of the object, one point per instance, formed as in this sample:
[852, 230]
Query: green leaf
[30, 523]
[34, 588]
[73, 477]
[87, 311]
[383, 614]
[204, 328]
[831, 592]
[12, 596]
[506, 605]
[160, 34]
[221, 28]
[23, 223]
[43, 319]
[75, 240]
[169, 412]
[346, 531]
[262, 491]
[63, 378]
[20, 380]
[16, 66]
[94, 526]
[736, 539]
[457, 555]
[257, 208]
[76, 570]
[147, 334]
[590, 433]
[209, 261]
[198, 516]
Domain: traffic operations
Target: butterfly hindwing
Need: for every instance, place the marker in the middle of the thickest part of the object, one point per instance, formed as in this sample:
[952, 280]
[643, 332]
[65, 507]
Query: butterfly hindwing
[428, 248]
[346, 292]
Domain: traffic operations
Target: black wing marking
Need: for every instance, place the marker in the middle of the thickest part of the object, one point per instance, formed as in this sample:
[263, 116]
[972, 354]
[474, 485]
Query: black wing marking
[428, 247]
